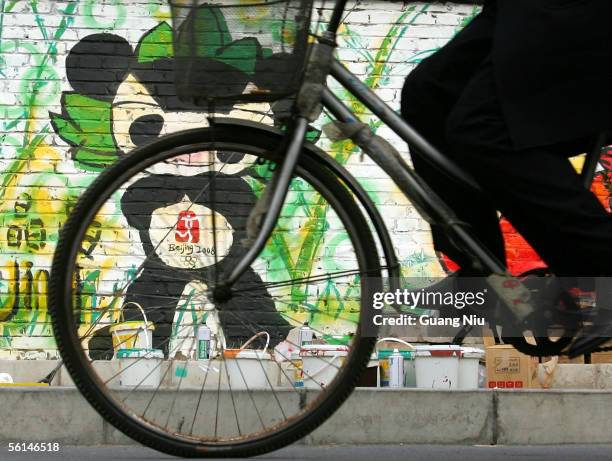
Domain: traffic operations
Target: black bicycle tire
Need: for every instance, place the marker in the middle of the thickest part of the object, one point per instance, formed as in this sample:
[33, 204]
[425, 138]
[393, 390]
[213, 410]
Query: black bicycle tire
[87, 382]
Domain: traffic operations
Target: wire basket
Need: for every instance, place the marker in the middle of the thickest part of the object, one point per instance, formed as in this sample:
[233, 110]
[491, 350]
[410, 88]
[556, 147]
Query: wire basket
[239, 50]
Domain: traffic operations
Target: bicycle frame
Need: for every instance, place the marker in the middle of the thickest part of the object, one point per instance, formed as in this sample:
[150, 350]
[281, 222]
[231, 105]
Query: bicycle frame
[433, 209]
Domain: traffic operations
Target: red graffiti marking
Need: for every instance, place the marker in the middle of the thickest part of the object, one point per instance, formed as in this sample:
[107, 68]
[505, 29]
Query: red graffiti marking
[187, 228]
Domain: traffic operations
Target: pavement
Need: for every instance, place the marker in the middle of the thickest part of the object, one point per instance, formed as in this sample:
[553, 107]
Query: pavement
[347, 453]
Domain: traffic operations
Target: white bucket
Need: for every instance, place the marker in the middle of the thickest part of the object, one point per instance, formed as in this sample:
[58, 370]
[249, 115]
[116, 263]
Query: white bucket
[321, 363]
[437, 367]
[140, 367]
[469, 367]
[132, 335]
[250, 369]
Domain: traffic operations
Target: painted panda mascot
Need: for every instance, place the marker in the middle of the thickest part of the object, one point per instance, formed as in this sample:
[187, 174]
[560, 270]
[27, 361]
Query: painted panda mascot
[130, 95]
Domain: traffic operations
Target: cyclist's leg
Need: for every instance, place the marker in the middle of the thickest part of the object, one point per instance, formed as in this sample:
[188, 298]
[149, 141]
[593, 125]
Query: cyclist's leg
[541, 194]
[428, 96]
[536, 188]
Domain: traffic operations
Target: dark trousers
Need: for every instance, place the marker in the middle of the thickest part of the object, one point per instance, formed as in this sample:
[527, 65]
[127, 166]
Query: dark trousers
[451, 99]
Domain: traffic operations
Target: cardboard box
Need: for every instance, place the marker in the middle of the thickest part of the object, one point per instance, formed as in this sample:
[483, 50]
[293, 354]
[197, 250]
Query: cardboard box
[508, 368]
[601, 357]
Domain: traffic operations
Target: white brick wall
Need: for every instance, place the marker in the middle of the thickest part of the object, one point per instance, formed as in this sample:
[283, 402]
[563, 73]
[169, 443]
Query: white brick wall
[36, 163]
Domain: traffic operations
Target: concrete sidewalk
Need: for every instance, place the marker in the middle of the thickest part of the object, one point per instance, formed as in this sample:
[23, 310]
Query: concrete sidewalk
[370, 416]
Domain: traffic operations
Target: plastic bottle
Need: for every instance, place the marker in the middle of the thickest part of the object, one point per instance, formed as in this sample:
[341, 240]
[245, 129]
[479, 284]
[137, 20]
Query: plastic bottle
[396, 369]
[203, 352]
[306, 335]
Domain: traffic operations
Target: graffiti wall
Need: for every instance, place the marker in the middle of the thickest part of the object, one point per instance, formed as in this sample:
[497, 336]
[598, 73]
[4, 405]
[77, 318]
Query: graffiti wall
[85, 82]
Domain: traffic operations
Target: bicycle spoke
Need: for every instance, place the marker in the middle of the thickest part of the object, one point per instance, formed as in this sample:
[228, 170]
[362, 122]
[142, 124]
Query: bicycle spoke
[263, 369]
[218, 397]
[229, 385]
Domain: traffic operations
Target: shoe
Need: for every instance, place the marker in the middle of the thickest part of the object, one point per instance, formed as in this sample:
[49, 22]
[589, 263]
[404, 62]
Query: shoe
[593, 336]
[590, 340]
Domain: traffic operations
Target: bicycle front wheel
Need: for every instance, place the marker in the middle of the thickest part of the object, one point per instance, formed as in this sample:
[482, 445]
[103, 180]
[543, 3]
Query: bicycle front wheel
[147, 342]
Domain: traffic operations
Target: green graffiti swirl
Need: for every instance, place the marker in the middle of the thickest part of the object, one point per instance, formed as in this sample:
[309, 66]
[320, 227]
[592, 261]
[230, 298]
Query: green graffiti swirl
[94, 21]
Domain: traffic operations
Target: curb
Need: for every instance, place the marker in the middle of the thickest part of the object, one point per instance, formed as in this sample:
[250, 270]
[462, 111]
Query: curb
[370, 416]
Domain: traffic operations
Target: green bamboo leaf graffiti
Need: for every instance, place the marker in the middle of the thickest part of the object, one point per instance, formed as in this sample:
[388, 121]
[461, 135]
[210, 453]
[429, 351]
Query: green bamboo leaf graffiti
[32, 138]
[316, 208]
[156, 44]
[85, 122]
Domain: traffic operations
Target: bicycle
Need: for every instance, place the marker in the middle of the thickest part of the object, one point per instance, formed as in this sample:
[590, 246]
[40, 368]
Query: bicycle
[209, 211]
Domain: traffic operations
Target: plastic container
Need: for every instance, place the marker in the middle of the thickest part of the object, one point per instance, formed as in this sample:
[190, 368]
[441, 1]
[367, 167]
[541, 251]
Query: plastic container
[249, 369]
[437, 367]
[306, 335]
[204, 336]
[295, 368]
[140, 367]
[132, 335]
[320, 363]
[469, 367]
[396, 366]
